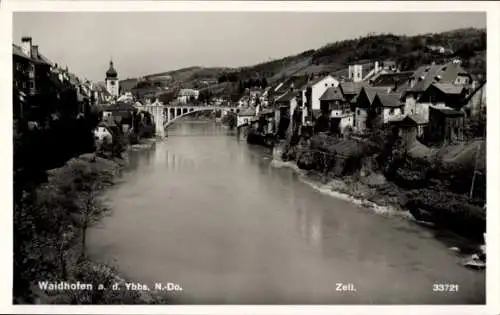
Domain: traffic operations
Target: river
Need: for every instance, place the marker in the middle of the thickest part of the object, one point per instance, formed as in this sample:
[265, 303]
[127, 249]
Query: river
[211, 213]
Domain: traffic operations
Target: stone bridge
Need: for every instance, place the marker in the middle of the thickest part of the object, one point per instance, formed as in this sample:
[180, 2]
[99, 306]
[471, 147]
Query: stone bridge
[165, 115]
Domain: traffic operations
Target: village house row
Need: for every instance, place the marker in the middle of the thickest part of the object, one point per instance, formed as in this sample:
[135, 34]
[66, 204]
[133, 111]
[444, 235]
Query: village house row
[434, 101]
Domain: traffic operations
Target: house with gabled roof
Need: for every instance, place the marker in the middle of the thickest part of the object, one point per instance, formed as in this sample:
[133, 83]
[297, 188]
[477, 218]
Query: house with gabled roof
[312, 92]
[364, 108]
[285, 109]
[441, 95]
[351, 90]
[423, 77]
[446, 125]
[337, 109]
[387, 107]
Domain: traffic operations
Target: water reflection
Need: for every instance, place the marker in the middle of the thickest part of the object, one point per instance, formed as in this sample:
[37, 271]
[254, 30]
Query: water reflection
[233, 229]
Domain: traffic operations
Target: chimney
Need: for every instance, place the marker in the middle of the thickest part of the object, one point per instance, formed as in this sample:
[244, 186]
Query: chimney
[376, 66]
[34, 51]
[473, 85]
[388, 90]
[26, 46]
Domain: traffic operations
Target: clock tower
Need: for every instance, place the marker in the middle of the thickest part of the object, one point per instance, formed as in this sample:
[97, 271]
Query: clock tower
[112, 84]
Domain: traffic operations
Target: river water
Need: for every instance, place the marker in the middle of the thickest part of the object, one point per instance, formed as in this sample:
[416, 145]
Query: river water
[211, 213]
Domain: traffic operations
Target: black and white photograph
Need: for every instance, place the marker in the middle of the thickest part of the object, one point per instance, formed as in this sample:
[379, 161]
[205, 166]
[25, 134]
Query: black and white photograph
[249, 157]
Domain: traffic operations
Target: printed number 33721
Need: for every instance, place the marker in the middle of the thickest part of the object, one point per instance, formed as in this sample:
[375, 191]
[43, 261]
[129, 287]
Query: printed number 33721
[445, 287]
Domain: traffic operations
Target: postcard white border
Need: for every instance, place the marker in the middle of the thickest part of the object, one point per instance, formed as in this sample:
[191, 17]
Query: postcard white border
[493, 145]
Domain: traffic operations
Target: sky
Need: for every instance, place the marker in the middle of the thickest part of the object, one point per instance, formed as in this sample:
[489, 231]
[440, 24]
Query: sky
[142, 43]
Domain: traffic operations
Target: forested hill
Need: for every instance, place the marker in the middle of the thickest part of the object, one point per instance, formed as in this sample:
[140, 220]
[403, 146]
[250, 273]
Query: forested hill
[408, 51]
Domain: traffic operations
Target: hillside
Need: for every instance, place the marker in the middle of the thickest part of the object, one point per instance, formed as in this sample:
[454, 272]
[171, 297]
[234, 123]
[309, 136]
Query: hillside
[409, 52]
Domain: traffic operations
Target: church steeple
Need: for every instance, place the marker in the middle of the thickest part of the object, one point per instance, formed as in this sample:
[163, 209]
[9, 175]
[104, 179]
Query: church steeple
[112, 84]
[111, 73]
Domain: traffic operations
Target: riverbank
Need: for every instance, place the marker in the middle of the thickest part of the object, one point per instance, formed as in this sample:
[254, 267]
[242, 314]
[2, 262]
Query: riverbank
[431, 205]
[56, 251]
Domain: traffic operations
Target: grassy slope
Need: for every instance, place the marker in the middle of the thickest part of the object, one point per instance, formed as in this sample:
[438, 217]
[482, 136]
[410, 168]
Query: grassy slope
[408, 51]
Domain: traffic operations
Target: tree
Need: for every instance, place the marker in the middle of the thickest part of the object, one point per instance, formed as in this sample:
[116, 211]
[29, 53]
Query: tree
[78, 187]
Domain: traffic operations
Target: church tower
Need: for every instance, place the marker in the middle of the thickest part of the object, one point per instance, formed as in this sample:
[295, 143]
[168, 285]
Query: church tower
[112, 84]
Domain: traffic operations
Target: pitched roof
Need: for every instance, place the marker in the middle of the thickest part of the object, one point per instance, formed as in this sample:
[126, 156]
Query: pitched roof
[371, 91]
[16, 50]
[247, 112]
[317, 80]
[44, 59]
[352, 87]
[298, 83]
[389, 79]
[266, 111]
[287, 97]
[389, 99]
[448, 111]
[417, 119]
[449, 88]
[427, 75]
[332, 94]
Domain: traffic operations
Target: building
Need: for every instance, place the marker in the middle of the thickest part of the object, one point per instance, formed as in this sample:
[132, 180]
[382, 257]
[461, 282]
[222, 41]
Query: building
[285, 108]
[446, 125]
[441, 95]
[387, 107]
[409, 128]
[351, 90]
[186, 95]
[425, 76]
[245, 117]
[338, 109]
[363, 107]
[312, 92]
[475, 103]
[119, 113]
[368, 71]
[111, 81]
[355, 73]
[31, 81]
[103, 132]
[397, 81]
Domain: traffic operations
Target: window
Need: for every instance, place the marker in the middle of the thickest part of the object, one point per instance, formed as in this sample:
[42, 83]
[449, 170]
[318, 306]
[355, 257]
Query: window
[391, 111]
[32, 84]
[326, 84]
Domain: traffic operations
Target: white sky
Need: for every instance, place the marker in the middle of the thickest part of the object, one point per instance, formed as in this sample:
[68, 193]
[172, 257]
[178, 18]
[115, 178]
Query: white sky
[148, 42]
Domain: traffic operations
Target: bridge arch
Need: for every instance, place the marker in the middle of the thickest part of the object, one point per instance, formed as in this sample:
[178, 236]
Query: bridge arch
[186, 111]
[165, 115]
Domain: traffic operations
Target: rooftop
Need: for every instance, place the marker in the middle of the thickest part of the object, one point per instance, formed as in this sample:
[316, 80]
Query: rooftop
[389, 99]
[449, 88]
[427, 75]
[332, 94]
[287, 97]
[352, 87]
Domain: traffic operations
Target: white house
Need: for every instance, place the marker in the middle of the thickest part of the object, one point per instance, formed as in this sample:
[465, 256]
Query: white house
[245, 116]
[313, 91]
[102, 132]
[185, 95]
